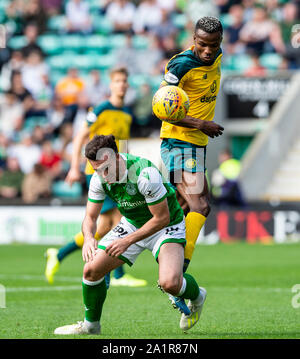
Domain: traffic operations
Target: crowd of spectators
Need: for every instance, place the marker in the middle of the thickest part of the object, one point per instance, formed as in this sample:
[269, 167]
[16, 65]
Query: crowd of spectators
[39, 118]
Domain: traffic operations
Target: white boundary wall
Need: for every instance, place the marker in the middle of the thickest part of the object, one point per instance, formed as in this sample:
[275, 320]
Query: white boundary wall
[39, 225]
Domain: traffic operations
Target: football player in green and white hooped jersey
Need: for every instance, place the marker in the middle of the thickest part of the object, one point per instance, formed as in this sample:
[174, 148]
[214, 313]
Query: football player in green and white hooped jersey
[152, 219]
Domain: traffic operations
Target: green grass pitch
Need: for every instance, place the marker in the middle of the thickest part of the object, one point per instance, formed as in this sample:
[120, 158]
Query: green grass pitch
[249, 295]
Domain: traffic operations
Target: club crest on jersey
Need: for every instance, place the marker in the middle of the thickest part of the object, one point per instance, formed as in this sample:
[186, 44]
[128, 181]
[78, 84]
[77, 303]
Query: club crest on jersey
[213, 87]
[130, 189]
[191, 163]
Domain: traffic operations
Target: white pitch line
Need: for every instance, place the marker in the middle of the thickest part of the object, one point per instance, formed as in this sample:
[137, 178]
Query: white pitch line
[79, 287]
[40, 277]
[79, 279]
[251, 289]
[43, 289]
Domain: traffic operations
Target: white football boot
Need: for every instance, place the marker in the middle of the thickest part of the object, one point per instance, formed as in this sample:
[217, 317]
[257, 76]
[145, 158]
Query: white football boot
[79, 328]
[188, 321]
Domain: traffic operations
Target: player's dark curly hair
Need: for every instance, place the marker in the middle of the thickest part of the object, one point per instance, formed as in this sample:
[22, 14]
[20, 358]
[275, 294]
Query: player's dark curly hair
[209, 24]
[97, 143]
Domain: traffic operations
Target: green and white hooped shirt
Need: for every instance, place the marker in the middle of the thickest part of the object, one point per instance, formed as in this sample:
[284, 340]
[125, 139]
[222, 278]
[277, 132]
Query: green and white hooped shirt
[143, 187]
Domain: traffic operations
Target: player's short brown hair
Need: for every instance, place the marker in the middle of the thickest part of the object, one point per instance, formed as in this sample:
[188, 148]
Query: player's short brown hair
[98, 143]
[118, 70]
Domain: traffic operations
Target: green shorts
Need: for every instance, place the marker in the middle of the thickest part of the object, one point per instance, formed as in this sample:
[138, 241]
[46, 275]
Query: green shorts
[171, 234]
[108, 203]
[179, 155]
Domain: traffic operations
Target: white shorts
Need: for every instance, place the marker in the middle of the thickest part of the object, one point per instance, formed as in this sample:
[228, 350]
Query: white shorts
[171, 234]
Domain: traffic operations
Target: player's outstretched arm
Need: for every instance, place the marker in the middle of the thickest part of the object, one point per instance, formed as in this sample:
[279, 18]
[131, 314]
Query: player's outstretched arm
[160, 219]
[74, 172]
[89, 226]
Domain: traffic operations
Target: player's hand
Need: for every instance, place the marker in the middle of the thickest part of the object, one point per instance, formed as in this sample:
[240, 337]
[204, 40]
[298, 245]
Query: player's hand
[117, 247]
[72, 176]
[89, 249]
[211, 128]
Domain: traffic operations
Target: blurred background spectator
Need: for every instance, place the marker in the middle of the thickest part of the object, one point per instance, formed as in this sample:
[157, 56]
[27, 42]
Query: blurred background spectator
[148, 16]
[59, 53]
[15, 63]
[96, 90]
[11, 114]
[232, 33]
[31, 33]
[225, 188]
[78, 17]
[69, 88]
[261, 33]
[52, 7]
[36, 184]
[121, 14]
[11, 179]
[26, 152]
[34, 74]
[256, 69]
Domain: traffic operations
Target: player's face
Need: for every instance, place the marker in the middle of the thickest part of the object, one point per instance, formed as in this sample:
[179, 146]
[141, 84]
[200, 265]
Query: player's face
[119, 84]
[107, 167]
[207, 45]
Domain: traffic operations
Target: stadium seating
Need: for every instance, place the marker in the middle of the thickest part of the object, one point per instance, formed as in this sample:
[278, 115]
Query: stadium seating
[62, 190]
[271, 61]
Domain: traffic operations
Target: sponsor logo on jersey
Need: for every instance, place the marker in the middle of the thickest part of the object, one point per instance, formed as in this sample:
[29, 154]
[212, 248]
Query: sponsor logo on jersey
[208, 99]
[131, 204]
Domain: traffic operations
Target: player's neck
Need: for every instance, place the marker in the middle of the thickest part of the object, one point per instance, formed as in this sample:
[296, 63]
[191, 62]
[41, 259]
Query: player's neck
[116, 101]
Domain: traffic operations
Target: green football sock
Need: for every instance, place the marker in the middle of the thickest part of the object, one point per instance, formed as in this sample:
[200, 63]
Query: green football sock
[192, 289]
[94, 294]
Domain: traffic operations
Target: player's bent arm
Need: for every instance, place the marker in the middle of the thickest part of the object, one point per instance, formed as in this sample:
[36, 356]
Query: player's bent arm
[210, 128]
[89, 226]
[77, 145]
[160, 220]
[74, 172]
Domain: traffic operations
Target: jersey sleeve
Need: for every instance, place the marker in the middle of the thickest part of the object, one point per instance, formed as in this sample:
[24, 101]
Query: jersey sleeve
[93, 113]
[174, 71]
[96, 192]
[91, 118]
[150, 185]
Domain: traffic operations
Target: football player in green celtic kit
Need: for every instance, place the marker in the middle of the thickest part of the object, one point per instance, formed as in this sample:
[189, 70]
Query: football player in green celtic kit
[151, 219]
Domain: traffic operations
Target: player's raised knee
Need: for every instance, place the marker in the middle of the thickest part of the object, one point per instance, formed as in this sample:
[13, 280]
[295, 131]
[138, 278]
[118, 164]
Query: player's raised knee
[170, 285]
[89, 273]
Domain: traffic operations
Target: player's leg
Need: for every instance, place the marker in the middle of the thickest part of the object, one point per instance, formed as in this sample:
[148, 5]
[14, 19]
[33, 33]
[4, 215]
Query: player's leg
[56, 256]
[194, 190]
[185, 164]
[121, 278]
[179, 284]
[94, 294]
